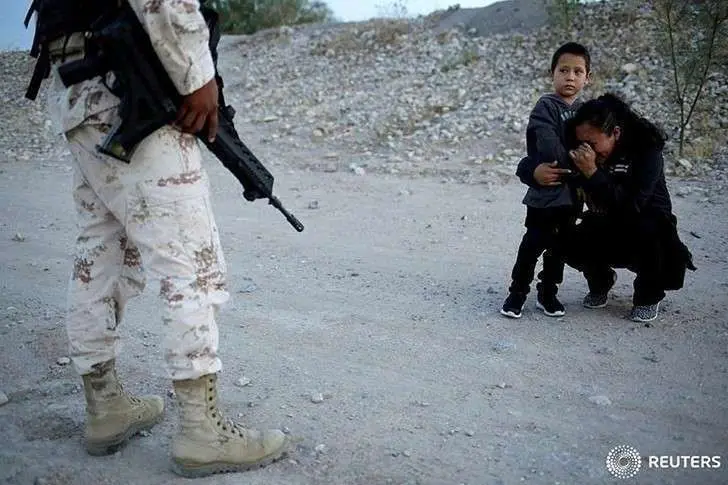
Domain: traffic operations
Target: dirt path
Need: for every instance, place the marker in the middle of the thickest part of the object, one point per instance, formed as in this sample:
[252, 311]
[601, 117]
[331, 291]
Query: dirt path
[387, 305]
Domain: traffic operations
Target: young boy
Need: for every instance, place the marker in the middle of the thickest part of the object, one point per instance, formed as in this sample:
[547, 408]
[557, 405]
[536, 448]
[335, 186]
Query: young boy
[551, 210]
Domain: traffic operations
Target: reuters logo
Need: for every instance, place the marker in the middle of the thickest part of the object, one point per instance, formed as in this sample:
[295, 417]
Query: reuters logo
[624, 461]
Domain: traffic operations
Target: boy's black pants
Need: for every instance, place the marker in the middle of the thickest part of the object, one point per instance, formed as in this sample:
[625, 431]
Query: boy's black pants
[545, 232]
[636, 242]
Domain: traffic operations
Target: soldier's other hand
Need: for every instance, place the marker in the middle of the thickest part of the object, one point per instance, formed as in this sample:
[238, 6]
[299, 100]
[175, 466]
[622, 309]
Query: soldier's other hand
[199, 110]
[549, 174]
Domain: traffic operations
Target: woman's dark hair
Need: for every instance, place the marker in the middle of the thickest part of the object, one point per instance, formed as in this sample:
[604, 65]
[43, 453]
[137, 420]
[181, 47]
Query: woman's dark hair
[609, 111]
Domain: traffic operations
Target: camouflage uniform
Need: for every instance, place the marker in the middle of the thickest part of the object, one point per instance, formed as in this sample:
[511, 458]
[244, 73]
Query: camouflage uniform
[155, 210]
[151, 218]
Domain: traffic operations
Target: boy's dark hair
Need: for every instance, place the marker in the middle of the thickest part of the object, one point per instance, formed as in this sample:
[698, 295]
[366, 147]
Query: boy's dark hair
[609, 111]
[572, 48]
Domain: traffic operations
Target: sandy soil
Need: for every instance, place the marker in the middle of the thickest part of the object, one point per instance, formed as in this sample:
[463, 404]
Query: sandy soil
[387, 304]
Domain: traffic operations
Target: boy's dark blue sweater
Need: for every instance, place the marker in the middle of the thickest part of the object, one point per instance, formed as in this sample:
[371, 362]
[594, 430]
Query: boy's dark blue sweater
[546, 143]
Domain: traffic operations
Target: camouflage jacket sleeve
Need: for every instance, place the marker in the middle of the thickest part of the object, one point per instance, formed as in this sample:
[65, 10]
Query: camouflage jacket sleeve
[180, 38]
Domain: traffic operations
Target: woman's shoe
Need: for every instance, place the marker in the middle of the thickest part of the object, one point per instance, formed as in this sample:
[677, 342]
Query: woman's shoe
[644, 313]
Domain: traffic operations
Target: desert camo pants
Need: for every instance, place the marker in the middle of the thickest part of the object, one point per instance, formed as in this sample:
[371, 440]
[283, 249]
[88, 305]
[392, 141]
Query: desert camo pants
[149, 220]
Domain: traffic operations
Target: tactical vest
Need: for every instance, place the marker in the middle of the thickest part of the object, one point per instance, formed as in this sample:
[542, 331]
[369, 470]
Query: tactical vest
[58, 19]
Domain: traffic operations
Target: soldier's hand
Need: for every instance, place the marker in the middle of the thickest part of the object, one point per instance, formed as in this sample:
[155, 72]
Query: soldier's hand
[199, 109]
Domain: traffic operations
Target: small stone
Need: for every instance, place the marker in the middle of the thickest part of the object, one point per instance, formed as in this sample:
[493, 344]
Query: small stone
[491, 291]
[4, 399]
[63, 361]
[19, 237]
[286, 430]
[243, 382]
[503, 346]
[317, 398]
[321, 449]
[247, 285]
[685, 163]
[469, 433]
[629, 68]
[683, 191]
[407, 453]
[600, 400]
[145, 433]
[171, 394]
[269, 119]
[314, 204]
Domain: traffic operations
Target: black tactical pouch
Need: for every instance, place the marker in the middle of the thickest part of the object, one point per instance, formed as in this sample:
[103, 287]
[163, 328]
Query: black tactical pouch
[58, 19]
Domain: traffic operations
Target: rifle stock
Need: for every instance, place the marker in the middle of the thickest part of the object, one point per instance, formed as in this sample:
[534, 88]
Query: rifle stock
[149, 100]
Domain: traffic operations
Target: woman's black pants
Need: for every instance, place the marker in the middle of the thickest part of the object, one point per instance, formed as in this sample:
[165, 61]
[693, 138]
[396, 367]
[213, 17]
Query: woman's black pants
[634, 242]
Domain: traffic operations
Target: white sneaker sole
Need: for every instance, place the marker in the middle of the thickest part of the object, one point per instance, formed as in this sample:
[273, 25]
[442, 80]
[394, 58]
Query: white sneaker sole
[510, 314]
[549, 314]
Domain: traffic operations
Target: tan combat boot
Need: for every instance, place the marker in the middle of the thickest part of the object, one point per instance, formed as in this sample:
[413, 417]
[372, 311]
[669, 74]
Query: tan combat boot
[208, 443]
[112, 415]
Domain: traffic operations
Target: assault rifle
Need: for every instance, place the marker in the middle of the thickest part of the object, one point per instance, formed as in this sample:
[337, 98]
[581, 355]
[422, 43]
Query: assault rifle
[119, 44]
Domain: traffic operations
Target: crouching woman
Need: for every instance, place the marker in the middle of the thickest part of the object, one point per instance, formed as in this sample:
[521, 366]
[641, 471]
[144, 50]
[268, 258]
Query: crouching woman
[629, 223]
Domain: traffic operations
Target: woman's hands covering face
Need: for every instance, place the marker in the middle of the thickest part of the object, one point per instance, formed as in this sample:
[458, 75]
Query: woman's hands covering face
[585, 159]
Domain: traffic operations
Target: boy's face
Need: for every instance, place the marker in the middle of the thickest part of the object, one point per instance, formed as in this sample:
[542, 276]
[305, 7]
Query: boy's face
[570, 76]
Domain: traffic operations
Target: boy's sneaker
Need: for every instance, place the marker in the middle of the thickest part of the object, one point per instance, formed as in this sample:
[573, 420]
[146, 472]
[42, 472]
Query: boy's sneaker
[644, 313]
[599, 300]
[550, 305]
[513, 306]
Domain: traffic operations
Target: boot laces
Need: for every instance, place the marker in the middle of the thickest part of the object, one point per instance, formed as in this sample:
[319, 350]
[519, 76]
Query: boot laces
[224, 422]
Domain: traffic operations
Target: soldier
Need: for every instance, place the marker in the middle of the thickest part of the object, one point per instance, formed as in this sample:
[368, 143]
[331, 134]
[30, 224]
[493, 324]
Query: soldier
[149, 218]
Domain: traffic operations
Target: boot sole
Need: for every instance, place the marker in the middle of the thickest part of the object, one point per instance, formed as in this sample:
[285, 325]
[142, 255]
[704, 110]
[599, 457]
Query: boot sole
[203, 470]
[110, 446]
[559, 313]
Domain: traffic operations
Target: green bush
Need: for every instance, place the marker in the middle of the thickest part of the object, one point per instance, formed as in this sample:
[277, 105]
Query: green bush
[250, 16]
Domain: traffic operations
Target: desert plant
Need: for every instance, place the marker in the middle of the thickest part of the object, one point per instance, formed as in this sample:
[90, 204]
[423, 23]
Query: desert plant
[562, 12]
[250, 16]
[396, 9]
[695, 33]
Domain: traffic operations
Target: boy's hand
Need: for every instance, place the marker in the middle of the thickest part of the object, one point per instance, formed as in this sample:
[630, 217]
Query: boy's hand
[585, 159]
[549, 174]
